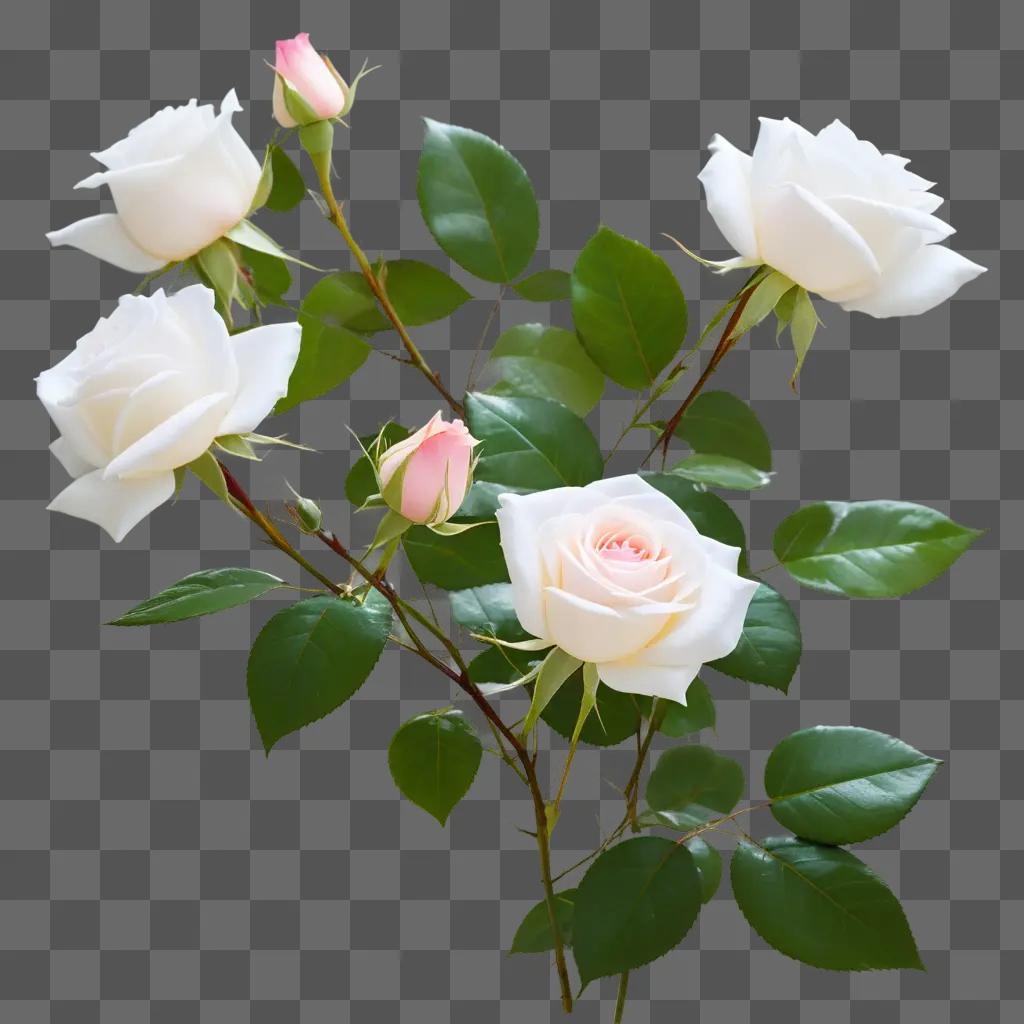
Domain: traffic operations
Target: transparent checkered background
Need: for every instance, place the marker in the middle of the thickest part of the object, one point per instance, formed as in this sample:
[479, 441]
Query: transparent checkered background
[154, 866]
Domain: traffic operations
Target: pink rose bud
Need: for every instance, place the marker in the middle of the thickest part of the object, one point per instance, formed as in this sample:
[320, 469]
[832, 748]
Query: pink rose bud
[318, 92]
[425, 477]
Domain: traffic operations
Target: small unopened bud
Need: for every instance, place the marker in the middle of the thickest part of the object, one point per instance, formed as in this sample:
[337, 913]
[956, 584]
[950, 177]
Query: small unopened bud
[305, 513]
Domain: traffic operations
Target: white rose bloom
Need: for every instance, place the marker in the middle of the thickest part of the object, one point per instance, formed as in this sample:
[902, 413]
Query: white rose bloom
[179, 180]
[837, 216]
[147, 390]
[615, 574]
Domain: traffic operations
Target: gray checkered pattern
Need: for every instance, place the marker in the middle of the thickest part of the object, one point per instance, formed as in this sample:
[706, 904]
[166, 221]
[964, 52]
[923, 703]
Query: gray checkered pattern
[154, 866]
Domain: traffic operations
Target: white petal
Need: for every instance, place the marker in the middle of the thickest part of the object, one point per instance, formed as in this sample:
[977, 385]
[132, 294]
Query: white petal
[809, 242]
[726, 181]
[723, 555]
[649, 680]
[67, 455]
[780, 155]
[266, 357]
[204, 332]
[712, 629]
[115, 505]
[519, 518]
[930, 276]
[56, 389]
[104, 237]
[632, 491]
[175, 442]
[594, 632]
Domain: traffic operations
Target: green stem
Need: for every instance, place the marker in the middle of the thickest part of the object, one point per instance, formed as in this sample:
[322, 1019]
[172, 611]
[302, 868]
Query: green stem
[337, 218]
[632, 790]
[620, 998]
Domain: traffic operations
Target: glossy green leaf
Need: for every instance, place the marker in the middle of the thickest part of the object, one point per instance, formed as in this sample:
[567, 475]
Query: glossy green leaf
[288, 189]
[201, 593]
[328, 356]
[534, 932]
[869, 548]
[532, 443]
[709, 866]
[722, 471]
[712, 516]
[310, 658]
[271, 277]
[545, 362]
[481, 501]
[502, 664]
[344, 299]
[636, 902]
[628, 308]
[687, 820]
[616, 716]
[433, 759]
[841, 784]
[487, 610]
[544, 286]
[698, 712]
[361, 481]
[694, 775]
[822, 906]
[770, 645]
[469, 559]
[718, 423]
[477, 201]
[421, 293]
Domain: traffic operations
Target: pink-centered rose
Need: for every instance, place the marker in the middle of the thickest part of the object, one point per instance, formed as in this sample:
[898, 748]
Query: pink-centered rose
[617, 575]
[425, 477]
[311, 76]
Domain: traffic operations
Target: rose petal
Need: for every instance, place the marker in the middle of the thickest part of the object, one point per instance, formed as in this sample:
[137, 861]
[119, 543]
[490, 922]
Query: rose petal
[921, 282]
[649, 680]
[115, 505]
[265, 357]
[104, 237]
[67, 455]
[726, 181]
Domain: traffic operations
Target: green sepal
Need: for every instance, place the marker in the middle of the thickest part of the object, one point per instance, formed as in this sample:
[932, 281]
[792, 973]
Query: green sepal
[555, 670]
[237, 444]
[295, 103]
[390, 528]
[208, 470]
[246, 233]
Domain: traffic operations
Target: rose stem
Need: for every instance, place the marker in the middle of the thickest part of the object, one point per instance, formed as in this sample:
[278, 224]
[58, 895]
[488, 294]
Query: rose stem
[620, 998]
[725, 342]
[337, 218]
[462, 680]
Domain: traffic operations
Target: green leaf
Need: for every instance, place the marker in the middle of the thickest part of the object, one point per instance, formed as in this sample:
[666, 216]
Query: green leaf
[635, 903]
[709, 866]
[420, 293]
[544, 286]
[344, 299]
[556, 668]
[455, 563]
[288, 189]
[501, 665]
[686, 820]
[271, 277]
[481, 501]
[698, 712]
[477, 201]
[534, 932]
[532, 443]
[718, 423]
[822, 906]
[310, 658]
[722, 471]
[694, 775]
[803, 324]
[361, 481]
[546, 362]
[770, 645]
[628, 308]
[487, 610]
[712, 516]
[766, 295]
[869, 548]
[328, 356]
[840, 784]
[433, 759]
[616, 716]
[201, 593]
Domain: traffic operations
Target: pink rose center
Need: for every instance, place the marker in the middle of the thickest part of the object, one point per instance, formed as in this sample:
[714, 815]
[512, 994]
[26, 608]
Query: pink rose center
[622, 547]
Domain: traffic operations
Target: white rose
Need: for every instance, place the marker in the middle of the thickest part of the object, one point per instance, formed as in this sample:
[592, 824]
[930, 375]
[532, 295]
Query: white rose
[615, 574]
[147, 390]
[837, 216]
[179, 180]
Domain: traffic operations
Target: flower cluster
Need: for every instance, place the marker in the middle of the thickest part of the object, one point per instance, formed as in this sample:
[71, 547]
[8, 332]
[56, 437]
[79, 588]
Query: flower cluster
[602, 605]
